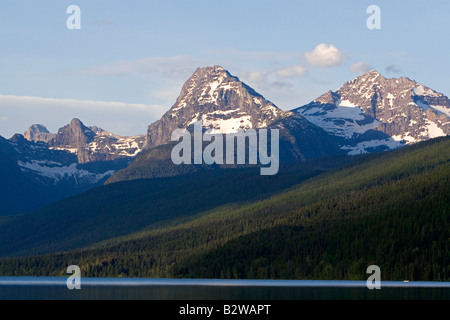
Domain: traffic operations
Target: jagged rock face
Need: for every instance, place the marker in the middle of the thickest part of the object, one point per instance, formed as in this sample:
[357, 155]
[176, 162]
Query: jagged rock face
[75, 135]
[372, 113]
[224, 104]
[38, 132]
[221, 101]
[88, 143]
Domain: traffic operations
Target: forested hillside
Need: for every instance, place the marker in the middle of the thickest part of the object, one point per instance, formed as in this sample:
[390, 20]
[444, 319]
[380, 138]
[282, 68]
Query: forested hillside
[122, 208]
[390, 210]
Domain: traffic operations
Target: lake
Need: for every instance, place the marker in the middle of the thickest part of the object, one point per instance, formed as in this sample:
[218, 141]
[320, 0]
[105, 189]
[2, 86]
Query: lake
[54, 288]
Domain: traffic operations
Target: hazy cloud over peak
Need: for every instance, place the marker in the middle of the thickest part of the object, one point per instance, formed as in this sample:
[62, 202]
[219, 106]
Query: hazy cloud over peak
[291, 71]
[360, 67]
[119, 117]
[392, 68]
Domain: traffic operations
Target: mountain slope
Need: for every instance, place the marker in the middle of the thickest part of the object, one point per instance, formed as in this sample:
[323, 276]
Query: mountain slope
[225, 105]
[44, 167]
[32, 175]
[120, 208]
[373, 113]
[14, 184]
[389, 209]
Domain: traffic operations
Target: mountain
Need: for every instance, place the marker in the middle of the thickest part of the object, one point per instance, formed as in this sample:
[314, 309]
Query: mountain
[388, 209]
[372, 113]
[368, 114]
[221, 101]
[40, 175]
[327, 214]
[73, 136]
[38, 132]
[88, 143]
[45, 167]
[224, 105]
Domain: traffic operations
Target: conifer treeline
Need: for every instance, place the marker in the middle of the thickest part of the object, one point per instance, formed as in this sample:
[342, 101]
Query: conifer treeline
[391, 211]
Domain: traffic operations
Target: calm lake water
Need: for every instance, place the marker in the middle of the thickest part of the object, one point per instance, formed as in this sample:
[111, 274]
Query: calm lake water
[54, 288]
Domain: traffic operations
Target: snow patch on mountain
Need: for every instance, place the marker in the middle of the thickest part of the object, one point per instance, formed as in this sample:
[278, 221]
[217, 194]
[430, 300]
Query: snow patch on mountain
[71, 150]
[432, 130]
[231, 125]
[421, 90]
[372, 145]
[57, 172]
[341, 120]
[438, 109]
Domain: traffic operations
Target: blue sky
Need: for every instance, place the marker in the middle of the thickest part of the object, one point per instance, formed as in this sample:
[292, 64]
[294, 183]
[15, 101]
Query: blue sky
[125, 67]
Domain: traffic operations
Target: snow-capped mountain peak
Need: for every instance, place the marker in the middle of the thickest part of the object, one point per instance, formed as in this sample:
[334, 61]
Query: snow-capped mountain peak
[373, 113]
[221, 101]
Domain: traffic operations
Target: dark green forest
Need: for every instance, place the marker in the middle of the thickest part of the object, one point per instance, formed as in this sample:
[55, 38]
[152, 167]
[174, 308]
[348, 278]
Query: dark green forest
[390, 209]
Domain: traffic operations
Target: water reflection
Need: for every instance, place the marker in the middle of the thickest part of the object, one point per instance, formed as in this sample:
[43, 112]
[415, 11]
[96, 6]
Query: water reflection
[43, 288]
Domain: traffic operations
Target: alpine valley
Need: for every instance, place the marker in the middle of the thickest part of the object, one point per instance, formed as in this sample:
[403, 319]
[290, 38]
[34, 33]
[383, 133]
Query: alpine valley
[364, 179]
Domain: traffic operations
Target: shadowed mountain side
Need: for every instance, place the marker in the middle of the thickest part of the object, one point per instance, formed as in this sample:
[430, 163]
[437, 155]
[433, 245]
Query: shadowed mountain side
[120, 208]
[389, 209]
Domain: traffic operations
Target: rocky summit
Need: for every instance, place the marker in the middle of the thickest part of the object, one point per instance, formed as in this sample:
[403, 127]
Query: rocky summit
[373, 113]
[88, 143]
[221, 101]
[224, 104]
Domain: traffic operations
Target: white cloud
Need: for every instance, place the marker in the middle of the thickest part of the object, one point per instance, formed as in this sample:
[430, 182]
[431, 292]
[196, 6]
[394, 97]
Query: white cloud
[325, 55]
[360, 67]
[274, 77]
[291, 71]
[256, 76]
[118, 117]
[36, 102]
[392, 68]
[256, 79]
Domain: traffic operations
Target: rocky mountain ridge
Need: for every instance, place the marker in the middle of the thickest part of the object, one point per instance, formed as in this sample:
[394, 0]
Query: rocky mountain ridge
[373, 113]
[88, 143]
[45, 167]
[367, 114]
[221, 101]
